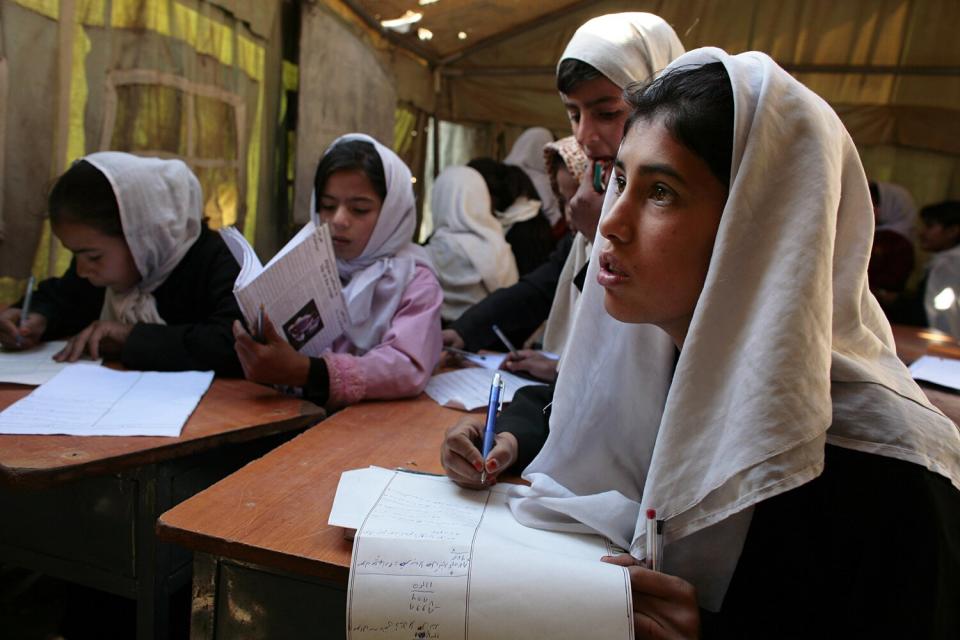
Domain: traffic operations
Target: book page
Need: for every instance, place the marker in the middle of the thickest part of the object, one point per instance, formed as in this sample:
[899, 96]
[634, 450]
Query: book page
[34, 366]
[469, 389]
[301, 293]
[243, 253]
[432, 560]
[90, 400]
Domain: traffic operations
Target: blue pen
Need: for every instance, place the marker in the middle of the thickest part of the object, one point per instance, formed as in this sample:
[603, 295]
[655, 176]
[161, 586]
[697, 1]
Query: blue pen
[496, 401]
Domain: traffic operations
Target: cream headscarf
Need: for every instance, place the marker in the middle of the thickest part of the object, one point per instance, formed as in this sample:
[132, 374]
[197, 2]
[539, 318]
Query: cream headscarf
[565, 300]
[787, 350]
[625, 47]
[374, 281]
[527, 153]
[464, 226]
[897, 211]
[161, 205]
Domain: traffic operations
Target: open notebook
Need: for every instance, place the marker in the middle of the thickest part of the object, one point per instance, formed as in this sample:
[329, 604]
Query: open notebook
[432, 560]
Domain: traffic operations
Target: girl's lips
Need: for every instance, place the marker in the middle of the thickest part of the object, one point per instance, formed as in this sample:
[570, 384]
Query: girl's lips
[611, 274]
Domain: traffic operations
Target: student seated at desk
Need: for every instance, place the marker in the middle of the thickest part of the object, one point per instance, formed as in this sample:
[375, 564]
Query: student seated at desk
[364, 192]
[808, 487]
[940, 236]
[149, 285]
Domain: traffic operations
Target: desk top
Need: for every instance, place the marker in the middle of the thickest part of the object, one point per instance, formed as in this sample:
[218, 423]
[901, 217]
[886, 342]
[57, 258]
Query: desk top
[232, 411]
[274, 511]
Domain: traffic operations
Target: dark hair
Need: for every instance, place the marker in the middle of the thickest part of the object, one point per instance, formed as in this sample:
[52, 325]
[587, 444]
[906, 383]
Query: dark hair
[351, 155]
[505, 182]
[696, 104]
[83, 195]
[571, 72]
[944, 213]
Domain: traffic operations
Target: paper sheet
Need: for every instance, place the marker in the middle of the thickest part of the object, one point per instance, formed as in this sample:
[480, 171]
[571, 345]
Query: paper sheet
[942, 371]
[469, 389]
[33, 366]
[432, 560]
[89, 400]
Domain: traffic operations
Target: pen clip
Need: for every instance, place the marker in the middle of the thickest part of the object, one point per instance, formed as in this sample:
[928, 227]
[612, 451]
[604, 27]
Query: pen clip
[500, 396]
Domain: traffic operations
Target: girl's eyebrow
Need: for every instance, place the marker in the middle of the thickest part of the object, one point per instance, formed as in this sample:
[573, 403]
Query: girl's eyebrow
[350, 199]
[649, 169]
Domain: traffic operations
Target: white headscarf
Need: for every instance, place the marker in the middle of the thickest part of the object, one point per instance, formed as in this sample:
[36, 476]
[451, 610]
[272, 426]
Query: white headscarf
[787, 350]
[161, 205]
[897, 210]
[625, 47]
[374, 281]
[527, 153]
[464, 226]
[941, 299]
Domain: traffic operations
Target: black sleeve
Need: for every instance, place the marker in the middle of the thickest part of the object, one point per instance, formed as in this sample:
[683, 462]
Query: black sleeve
[531, 242]
[317, 389]
[518, 310]
[870, 549]
[198, 305]
[69, 303]
[527, 418]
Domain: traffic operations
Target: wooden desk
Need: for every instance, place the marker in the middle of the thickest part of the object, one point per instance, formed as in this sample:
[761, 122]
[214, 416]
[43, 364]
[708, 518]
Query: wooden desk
[84, 508]
[913, 342]
[270, 565]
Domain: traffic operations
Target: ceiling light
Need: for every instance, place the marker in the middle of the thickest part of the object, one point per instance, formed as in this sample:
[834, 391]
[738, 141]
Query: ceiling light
[424, 34]
[424, 3]
[402, 24]
[462, 35]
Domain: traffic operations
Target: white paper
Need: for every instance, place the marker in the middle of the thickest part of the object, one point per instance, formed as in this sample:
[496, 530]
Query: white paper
[89, 400]
[34, 366]
[432, 560]
[942, 371]
[492, 361]
[299, 288]
[469, 389]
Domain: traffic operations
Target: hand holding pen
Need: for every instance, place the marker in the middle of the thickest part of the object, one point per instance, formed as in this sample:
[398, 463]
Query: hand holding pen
[21, 328]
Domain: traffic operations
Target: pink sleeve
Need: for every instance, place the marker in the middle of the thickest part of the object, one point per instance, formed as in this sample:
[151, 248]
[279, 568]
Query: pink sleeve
[402, 363]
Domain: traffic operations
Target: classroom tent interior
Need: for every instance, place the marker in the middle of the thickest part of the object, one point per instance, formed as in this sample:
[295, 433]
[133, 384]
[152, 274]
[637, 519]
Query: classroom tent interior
[250, 92]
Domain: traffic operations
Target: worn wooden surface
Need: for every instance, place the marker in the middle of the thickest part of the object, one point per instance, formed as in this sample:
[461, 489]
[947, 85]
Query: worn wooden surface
[913, 342]
[274, 511]
[232, 411]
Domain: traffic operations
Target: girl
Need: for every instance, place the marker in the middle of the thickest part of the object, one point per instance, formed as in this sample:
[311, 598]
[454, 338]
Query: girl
[527, 153]
[149, 284]
[790, 447]
[467, 246]
[364, 192]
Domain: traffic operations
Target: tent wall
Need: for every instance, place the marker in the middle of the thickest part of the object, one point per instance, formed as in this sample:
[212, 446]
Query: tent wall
[171, 78]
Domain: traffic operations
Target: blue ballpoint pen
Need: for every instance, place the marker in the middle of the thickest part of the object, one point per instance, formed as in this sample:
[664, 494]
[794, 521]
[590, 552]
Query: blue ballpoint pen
[496, 401]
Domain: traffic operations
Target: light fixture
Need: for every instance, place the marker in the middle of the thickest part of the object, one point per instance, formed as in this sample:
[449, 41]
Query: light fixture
[462, 35]
[424, 3]
[424, 34]
[402, 24]
[413, 179]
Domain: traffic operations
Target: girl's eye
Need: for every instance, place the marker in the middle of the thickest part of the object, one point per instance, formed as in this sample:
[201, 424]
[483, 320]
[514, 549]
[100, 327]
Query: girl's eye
[361, 212]
[661, 194]
[609, 115]
[621, 184]
[574, 116]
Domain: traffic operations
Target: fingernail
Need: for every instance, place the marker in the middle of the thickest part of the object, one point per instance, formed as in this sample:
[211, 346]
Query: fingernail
[492, 465]
[478, 466]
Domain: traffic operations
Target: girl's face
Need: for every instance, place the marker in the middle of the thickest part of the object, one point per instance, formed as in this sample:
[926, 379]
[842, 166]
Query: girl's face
[660, 233]
[104, 260]
[351, 207]
[597, 113]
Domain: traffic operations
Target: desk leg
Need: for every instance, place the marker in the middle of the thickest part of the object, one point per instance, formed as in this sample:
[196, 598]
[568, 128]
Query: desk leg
[203, 608]
[152, 605]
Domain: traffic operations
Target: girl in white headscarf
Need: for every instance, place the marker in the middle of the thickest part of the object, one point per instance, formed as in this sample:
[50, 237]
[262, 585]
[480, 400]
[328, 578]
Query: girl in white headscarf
[149, 284]
[895, 209]
[790, 454]
[527, 153]
[363, 190]
[469, 251]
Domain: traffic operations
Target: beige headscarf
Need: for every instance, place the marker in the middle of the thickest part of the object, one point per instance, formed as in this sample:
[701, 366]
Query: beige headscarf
[565, 300]
[161, 207]
[787, 350]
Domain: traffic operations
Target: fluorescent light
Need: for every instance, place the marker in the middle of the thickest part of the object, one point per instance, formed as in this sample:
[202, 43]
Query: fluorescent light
[424, 3]
[402, 24]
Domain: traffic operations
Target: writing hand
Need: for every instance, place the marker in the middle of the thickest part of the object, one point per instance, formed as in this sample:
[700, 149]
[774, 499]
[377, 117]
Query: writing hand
[13, 337]
[102, 339]
[461, 457]
[272, 362]
[533, 362]
[664, 606]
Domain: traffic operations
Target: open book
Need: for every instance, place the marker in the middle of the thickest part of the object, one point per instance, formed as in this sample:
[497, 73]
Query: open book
[299, 288]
